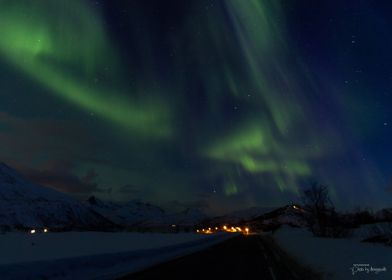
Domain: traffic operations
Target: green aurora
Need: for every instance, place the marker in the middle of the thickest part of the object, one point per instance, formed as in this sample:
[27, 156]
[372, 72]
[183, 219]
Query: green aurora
[66, 57]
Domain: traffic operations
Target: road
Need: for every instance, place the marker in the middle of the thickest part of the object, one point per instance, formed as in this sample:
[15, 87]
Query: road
[242, 257]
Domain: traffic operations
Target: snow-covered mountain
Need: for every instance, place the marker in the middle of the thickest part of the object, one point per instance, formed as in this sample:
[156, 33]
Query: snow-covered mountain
[242, 215]
[24, 204]
[133, 213]
[287, 215]
[140, 214]
[187, 217]
[384, 214]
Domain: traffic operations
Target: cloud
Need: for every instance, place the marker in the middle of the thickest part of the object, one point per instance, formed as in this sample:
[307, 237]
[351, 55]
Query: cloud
[29, 139]
[60, 176]
[389, 187]
[177, 206]
[129, 189]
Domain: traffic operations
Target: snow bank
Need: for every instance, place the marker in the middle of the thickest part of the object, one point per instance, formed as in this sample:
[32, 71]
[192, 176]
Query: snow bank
[337, 258]
[92, 255]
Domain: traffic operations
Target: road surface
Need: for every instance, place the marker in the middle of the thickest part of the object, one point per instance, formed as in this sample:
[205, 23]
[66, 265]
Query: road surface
[242, 257]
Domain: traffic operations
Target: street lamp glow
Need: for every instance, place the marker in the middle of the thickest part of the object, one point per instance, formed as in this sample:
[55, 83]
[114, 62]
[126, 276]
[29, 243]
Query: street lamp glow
[32, 231]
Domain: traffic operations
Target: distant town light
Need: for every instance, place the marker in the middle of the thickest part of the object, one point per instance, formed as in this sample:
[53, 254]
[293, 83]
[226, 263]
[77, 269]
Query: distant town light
[216, 228]
[225, 227]
[247, 230]
[32, 231]
[45, 230]
[197, 230]
[173, 225]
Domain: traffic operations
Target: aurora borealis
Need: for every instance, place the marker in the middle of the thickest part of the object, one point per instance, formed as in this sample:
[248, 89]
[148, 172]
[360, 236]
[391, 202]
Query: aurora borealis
[219, 104]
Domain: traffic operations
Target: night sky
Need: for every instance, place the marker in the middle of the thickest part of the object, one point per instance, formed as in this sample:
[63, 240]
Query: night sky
[220, 105]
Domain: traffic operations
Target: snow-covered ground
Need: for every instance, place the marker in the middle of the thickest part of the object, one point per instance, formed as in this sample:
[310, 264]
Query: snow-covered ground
[338, 259]
[88, 255]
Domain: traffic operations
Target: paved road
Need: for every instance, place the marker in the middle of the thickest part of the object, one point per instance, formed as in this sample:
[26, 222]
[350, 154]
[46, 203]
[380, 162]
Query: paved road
[241, 257]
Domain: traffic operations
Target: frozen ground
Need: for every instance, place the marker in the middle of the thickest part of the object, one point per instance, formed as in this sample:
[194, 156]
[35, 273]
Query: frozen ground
[92, 255]
[337, 258]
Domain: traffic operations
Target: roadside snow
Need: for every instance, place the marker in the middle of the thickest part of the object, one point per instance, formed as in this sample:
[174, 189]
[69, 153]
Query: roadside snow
[18, 247]
[336, 257]
[88, 255]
